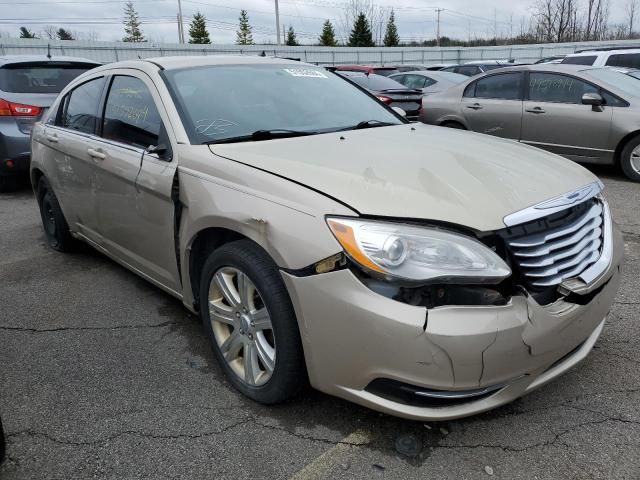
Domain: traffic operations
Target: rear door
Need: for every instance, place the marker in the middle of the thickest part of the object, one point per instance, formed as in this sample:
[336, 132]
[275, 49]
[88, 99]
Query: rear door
[493, 105]
[555, 119]
[71, 142]
[134, 202]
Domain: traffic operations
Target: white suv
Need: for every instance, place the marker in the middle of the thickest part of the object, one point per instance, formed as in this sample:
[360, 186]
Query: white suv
[629, 58]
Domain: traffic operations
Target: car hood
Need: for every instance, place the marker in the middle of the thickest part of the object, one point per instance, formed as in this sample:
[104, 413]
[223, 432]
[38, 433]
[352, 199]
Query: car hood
[418, 171]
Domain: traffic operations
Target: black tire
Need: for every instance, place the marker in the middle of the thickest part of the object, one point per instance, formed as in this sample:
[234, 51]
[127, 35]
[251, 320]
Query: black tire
[289, 374]
[55, 225]
[625, 160]
[456, 125]
[7, 184]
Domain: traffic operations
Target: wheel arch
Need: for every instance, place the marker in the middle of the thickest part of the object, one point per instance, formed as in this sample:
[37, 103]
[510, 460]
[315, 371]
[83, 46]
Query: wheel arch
[202, 245]
[623, 143]
[35, 175]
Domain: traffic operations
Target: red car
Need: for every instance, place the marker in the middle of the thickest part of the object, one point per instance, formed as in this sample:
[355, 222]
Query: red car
[377, 69]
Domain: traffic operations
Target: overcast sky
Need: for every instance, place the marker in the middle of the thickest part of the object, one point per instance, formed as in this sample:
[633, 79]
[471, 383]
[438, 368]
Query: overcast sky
[416, 19]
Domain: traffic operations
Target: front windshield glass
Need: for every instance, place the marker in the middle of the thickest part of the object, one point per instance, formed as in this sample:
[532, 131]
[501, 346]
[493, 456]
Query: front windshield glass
[622, 82]
[222, 102]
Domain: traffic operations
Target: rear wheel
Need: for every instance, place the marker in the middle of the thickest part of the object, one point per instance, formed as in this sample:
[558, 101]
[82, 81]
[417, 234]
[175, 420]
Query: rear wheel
[248, 315]
[55, 225]
[630, 159]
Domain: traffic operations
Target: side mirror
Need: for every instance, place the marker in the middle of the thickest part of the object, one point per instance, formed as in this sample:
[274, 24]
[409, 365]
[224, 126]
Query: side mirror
[399, 111]
[161, 150]
[593, 99]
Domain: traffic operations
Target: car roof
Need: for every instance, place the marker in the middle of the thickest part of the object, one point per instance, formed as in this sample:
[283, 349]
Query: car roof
[596, 52]
[9, 59]
[178, 62]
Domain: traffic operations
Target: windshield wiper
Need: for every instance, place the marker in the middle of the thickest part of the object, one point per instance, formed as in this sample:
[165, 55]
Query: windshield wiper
[370, 124]
[263, 135]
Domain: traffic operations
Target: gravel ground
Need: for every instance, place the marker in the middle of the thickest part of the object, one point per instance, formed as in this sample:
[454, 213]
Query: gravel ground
[104, 376]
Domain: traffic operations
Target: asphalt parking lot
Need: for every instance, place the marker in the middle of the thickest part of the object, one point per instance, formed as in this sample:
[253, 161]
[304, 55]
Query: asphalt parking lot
[104, 376]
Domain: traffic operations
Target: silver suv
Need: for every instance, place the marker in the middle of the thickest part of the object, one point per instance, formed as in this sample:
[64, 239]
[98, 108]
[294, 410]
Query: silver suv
[28, 86]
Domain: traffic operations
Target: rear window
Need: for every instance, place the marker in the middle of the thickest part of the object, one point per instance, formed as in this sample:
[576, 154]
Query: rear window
[628, 60]
[385, 71]
[580, 60]
[39, 77]
[376, 82]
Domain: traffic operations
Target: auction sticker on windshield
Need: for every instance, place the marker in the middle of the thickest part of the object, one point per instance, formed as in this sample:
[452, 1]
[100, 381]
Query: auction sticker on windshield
[305, 72]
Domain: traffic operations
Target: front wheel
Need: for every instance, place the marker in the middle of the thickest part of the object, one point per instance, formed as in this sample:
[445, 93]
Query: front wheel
[249, 318]
[630, 159]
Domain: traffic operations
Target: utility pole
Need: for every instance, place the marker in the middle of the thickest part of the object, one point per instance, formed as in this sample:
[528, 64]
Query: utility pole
[180, 24]
[438, 10]
[278, 23]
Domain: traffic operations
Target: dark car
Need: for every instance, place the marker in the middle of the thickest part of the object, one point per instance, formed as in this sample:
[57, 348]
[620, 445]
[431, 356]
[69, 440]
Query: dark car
[389, 92]
[376, 69]
[28, 86]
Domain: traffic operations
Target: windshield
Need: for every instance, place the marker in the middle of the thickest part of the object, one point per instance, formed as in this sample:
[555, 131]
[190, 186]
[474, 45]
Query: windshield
[622, 82]
[221, 102]
[634, 74]
[580, 60]
[39, 78]
[376, 82]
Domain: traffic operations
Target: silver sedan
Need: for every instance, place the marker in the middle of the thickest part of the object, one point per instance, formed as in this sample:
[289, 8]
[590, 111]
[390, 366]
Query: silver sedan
[586, 114]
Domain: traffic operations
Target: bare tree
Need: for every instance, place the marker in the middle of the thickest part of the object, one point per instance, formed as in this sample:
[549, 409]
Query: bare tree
[49, 31]
[631, 9]
[596, 20]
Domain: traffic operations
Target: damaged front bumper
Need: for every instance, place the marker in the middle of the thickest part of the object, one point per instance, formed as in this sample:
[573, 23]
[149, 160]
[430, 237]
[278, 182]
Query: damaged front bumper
[446, 362]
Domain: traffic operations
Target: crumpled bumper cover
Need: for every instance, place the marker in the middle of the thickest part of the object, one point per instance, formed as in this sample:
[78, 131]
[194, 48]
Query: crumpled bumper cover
[353, 336]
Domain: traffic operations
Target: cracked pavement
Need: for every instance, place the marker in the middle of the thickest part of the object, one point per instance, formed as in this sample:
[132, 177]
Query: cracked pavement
[104, 376]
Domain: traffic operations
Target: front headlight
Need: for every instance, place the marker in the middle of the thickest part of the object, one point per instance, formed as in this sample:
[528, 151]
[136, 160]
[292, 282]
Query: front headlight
[418, 254]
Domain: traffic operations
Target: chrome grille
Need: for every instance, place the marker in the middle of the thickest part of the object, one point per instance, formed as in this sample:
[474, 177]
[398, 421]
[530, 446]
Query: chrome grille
[547, 258]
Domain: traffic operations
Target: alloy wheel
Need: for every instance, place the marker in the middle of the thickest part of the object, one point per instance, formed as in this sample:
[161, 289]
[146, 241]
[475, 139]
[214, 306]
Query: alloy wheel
[242, 326]
[635, 159]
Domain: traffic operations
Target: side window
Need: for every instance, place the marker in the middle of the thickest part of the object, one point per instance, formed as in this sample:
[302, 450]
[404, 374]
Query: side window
[130, 115]
[400, 79]
[428, 81]
[628, 60]
[504, 86]
[469, 70]
[579, 60]
[81, 107]
[470, 91]
[557, 88]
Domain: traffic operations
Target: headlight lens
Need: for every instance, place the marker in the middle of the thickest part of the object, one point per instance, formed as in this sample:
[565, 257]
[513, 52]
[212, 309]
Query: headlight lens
[417, 254]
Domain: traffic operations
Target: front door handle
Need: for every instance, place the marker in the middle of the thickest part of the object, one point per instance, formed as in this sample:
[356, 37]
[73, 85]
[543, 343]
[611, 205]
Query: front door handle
[475, 106]
[96, 153]
[51, 137]
[534, 110]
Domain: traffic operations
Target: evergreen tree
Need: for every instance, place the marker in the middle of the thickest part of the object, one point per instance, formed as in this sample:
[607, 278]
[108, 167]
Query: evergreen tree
[328, 35]
[243, 35]
[361, 33]
[132, 32]
[198, 30]
[291, 38]
[391, 37]
[63, 34]
[26, 33]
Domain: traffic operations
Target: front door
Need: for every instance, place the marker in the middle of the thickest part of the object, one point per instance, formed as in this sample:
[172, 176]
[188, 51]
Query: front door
[134, 202]
[493, 105]
[555, 119]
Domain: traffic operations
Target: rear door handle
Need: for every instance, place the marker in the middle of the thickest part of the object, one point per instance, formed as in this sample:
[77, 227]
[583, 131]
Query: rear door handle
[534, 110]
[51, 137]
[96, 153]
[475, 106]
